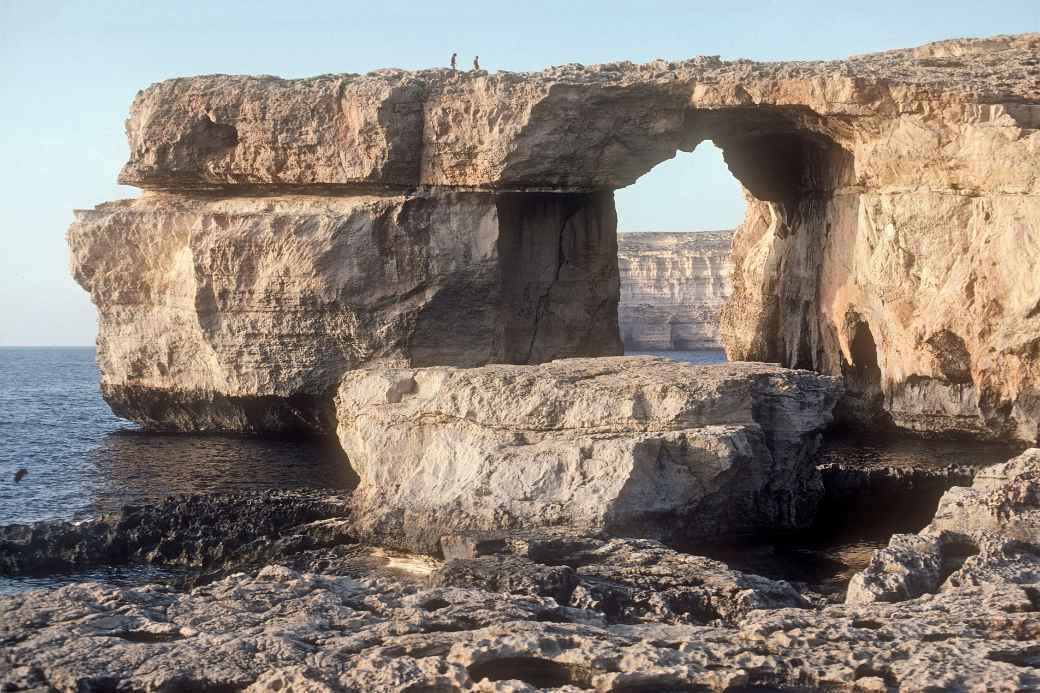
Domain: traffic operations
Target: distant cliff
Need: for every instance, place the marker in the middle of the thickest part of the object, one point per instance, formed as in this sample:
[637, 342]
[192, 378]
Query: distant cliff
[672, 288]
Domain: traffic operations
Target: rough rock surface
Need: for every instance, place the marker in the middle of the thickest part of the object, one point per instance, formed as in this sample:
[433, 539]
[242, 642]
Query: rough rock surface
[242, 313]
[570, 127]
[903, 258]
[283, 630]
[673, 286]
[625, 580]
[211, 533]
[639, 617]
[985, 534]
[891, 233]
[638, 445]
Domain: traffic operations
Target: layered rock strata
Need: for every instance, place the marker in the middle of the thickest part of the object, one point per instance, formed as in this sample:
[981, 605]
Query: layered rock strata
[241, 313]
[637, 445]
[890, 238]
[673, 286]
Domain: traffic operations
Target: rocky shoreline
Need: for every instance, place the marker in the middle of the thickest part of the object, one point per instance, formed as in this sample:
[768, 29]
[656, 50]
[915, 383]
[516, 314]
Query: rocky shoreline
[954, 608]
[424, 264]
[519, 528]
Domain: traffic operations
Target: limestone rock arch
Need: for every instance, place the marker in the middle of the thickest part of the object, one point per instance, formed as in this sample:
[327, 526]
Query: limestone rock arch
[901, 186]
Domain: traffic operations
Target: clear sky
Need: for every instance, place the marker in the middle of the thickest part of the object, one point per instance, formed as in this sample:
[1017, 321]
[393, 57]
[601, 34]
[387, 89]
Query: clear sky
[68, 71]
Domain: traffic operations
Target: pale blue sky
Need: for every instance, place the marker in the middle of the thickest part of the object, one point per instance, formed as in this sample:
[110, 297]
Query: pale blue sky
[68, 71]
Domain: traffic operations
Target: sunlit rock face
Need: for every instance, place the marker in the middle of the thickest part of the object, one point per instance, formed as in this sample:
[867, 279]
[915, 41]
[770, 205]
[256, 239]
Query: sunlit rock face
[673, 286]
[243, 313]
[892, 233]
[635, 445]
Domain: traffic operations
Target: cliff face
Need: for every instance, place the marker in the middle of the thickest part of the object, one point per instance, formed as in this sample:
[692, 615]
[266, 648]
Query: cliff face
[673, 286]
[891, 237]
[243, 313]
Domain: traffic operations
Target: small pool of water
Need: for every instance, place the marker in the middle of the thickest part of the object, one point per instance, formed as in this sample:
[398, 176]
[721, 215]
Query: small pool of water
[847, 531]
[116, 576]
[865, 451]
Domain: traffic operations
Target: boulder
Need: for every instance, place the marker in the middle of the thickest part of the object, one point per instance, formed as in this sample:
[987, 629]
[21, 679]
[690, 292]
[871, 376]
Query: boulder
[636, 445]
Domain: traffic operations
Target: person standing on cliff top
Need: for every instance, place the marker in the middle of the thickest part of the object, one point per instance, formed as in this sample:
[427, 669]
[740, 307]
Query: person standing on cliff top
[454, 57]
[476, 63]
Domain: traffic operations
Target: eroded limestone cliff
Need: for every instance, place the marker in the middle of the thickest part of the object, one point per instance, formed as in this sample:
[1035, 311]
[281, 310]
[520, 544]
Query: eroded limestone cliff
[673, 286]
[243, 313]
[892, 234]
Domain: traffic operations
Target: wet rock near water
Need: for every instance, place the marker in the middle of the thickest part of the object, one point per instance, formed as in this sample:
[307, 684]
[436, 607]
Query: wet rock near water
[885, 496]
[207, 532]
[984, 534]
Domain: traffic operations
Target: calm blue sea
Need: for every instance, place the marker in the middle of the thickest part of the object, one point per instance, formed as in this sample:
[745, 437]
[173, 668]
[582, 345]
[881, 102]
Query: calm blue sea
[83, 460]
[699, 356]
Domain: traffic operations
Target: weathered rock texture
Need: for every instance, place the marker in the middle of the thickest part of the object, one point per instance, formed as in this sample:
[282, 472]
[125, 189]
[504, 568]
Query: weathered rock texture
[985, 534]
[673, 286]
[638, 445]
[891, 235]
[284, 630]
[206, 533]
[242, 313]
[558, 611]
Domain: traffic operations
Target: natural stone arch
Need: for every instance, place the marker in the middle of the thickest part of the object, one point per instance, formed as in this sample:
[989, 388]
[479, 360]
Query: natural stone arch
[890, 185]
[793, 172]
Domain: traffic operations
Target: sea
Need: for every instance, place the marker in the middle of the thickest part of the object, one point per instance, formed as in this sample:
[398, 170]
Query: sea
[82, 461]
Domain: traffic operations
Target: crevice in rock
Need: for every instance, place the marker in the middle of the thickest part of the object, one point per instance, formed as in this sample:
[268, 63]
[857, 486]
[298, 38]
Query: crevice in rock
[534, 671]
[1028, 656]
[436, 604]
[868, 670]
[862, 405]
[146, 637]
[955, 551]
[1034, 597]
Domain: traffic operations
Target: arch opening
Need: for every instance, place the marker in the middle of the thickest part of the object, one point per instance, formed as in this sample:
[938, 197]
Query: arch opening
[675, 226]
[790, 171]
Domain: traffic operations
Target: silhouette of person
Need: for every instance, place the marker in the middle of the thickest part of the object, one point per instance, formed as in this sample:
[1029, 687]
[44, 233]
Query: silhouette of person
[476, 63]
[454, 57]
